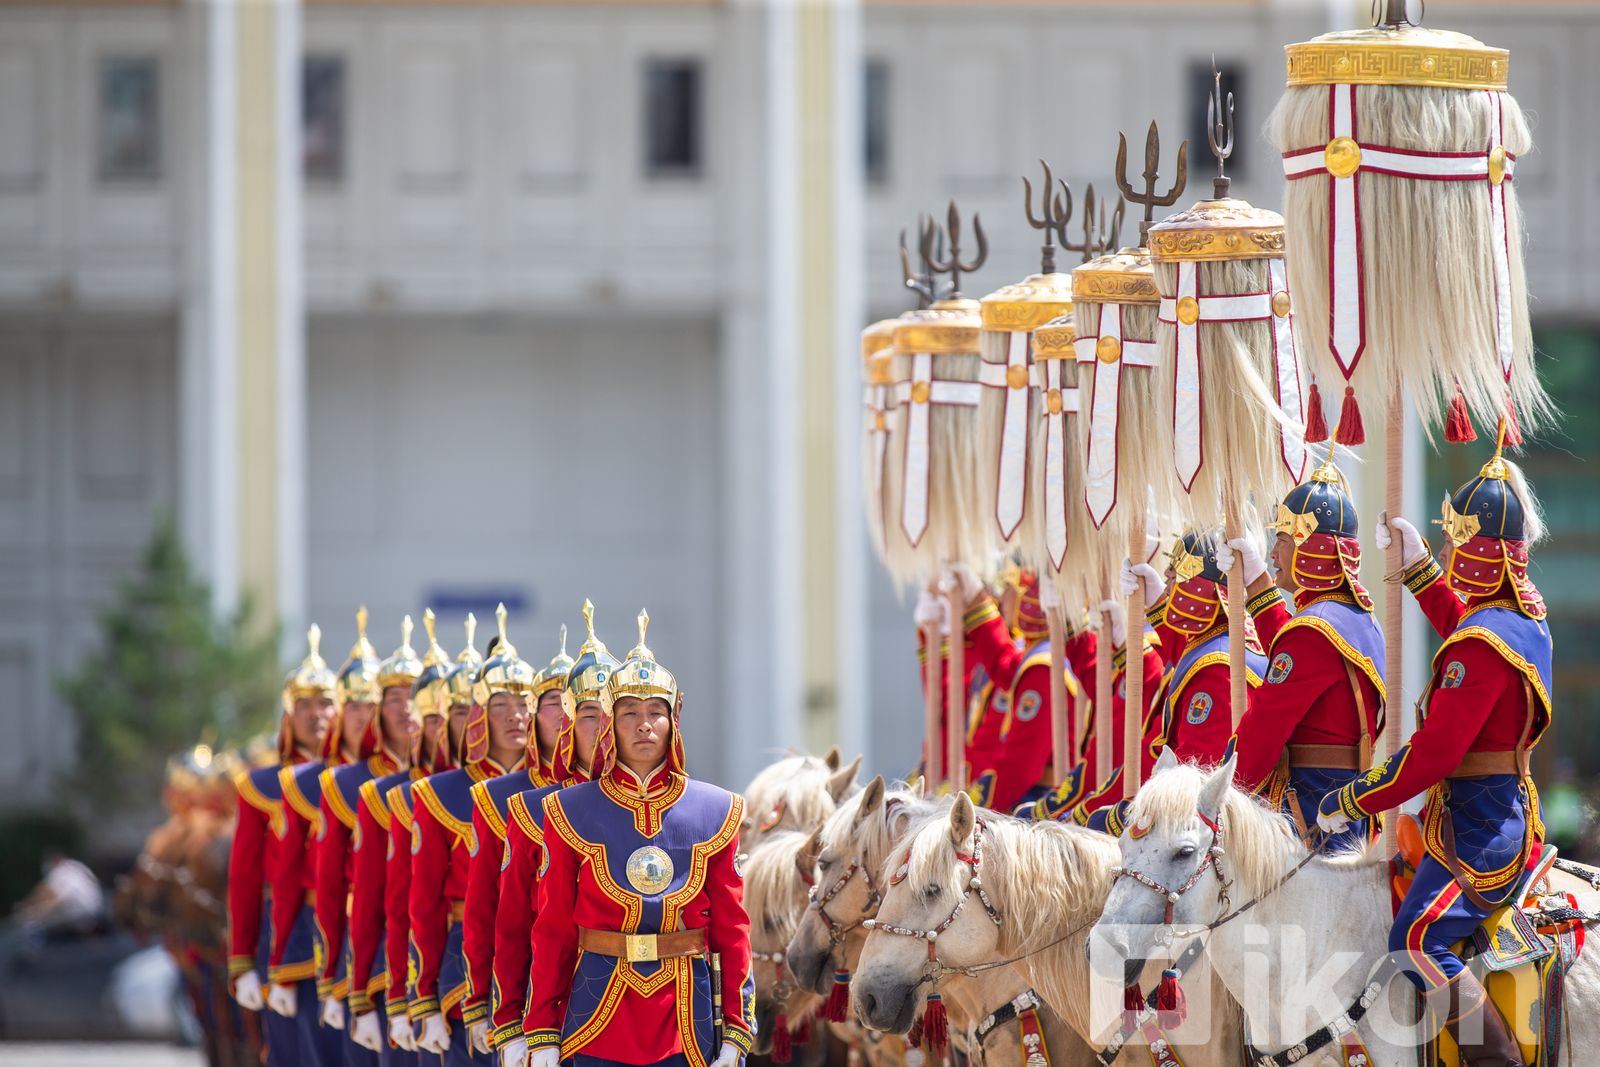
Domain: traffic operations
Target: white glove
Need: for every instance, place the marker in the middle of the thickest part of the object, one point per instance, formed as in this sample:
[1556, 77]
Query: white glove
[1412, 547]
[729, 1056]
[366, 1032]
[247, 991]
[1135, 574]
[435, 1036]
[1248, 554]
[282, 1000]
[965, 583]
[549, 1056]
[1334, 823]
[1119, 621]
[478, 1037]
[514, 1053]
[931, 613]
[333, 1014]
[401, 1034]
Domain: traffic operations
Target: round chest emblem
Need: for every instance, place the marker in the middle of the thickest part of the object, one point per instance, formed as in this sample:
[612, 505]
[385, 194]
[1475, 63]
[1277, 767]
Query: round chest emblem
[649, 870]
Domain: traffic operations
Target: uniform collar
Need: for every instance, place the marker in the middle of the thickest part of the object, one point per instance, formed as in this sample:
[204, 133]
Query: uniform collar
[1304, 598]
[647, 799]
[650, 784]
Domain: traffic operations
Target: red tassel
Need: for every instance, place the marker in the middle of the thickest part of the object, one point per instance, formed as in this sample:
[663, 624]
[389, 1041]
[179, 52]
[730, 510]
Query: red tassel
[914, 1035]
[1513, 437]
[802, 1036]
[1457, 423]
[1171, 1008]
[935, 1027]
[1132, 1005]
[1350, 431]
[1316, 421]
[782, 1051]
[836, 1008]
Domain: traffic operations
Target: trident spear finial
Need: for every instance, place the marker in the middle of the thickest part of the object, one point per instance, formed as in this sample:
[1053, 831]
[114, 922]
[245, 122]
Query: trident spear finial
[1392, 14]
[1152, 162]
[1055, 213]
[953, 264]
[920, 283]
[1219, 132]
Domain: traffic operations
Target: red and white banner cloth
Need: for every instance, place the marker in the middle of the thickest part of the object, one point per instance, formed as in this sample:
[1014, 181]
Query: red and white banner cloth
[1011, 483]
[1186, 311]
[881, 407]
[1344, 159]
[1057, 400]
[918, 395]
[1109, 353]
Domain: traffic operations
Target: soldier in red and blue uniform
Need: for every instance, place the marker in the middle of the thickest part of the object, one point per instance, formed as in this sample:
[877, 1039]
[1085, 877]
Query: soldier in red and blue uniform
[489, 800]
[443, 696]
[494, 742]
[641, 899]
[1486, 705]
[1310, 726]
[253, 861]
[524, 844]
[390, 688]
[298, 951]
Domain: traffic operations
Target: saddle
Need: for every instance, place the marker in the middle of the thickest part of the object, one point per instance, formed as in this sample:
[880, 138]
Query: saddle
[1522, 950]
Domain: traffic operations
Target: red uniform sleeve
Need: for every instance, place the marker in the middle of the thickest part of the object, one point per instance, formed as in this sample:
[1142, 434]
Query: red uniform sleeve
[1081, 649]
[555, 940]
[483, 896]
[429, 909]
[247, 872]
[332, 849]
[1279, 704]
[1270, 614]
[513, 923]
[1172, 642]
[1434, 596]
[1203, 717]
[397, 901]
[989, 640]
[288, 888]
[728, 934]
[1027, 738]
[366, 893]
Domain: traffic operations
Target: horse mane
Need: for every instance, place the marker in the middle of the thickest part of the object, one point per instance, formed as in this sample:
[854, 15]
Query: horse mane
[802, 782]
[874, 839]
[1041, 876]
[1261, 844]
[772, 887]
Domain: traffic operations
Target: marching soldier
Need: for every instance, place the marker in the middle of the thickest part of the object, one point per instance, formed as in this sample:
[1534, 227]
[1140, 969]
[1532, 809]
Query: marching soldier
[640, 899]
[253, 859]
[1486, 705]
[390, 689]
[297, 949]
[373, 851]
[494, 742]
[489, 800]
[524, 844]
[1309, 728]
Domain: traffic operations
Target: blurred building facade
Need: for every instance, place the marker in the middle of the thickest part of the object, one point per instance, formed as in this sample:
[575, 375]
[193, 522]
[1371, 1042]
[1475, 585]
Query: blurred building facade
[405, 303]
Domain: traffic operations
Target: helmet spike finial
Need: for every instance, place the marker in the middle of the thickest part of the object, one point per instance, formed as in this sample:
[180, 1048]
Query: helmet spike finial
[314, 641]
[1496, 467]
[361, 623]
[429, 622]
[500, 620]
[563, 639]
[644, 624]
[405, 630]
[588, 618]
[472, 630]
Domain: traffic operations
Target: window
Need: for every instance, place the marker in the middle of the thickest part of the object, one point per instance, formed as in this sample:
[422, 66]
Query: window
[128, 130]
[875, 120]
[322, 118]
[1200, 83]
[673, 139]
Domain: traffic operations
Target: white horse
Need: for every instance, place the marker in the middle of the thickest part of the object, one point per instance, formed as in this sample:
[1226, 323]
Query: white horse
[974, 896]
[775, 898]
[1315, 932]
[795, 793]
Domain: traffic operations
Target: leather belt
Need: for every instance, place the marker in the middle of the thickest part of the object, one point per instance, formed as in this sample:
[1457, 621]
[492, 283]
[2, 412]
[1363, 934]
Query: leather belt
[1480, 764]
[642, 948]
[311, 898]
[1328, 757]
[458, 908]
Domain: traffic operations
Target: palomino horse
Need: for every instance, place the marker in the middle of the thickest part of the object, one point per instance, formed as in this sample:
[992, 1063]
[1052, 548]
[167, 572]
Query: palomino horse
[1301, 941]
[775, 898]
[795, 793]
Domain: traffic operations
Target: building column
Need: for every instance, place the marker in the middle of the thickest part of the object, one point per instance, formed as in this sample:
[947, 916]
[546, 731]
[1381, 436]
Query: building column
[243, 357]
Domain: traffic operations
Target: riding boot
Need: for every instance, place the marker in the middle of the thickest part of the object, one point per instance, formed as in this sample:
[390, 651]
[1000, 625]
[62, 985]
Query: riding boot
[1477, 1027]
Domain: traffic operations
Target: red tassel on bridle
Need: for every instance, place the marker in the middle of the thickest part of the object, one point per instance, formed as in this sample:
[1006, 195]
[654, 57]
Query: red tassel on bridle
[1350, 430]
[1171, 1008]
[1132, 1005]
[1316, 421]
[835, 1009]
[802, 1036]
[914, 1035]
[935, 1027]
[782, 1050]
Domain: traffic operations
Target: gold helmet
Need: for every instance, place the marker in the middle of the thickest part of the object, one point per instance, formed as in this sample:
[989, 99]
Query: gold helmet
[358, 678]
[402, 667]
[587, 676]
[640, 675]
[554, 676]
[430, 691]
[466, 668]
[505, 671]
[312, 678]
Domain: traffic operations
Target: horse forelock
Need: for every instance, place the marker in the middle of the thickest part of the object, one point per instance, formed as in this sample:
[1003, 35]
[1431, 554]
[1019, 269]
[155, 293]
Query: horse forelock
[874, 838]
[800, 782]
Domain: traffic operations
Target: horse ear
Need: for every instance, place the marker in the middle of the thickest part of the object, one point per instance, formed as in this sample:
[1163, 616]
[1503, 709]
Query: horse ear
[962, 819]
[1166, 761]
[833, 758]
[871, 800]
[843, 778]
[1215, 790]
[805, 861]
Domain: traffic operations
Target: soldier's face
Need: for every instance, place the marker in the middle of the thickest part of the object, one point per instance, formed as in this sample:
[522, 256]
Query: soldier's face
[586, 730]
[430, 732]
[1283, 562]
[548, 720]
[508, 721]
[309, 721]
[643, 728]
[395, 713]
[458, 723]
[357, 718]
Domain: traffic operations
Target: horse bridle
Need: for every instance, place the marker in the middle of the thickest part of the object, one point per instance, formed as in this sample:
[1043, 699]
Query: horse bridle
[783, 986]
[931, 935]
[1214, 853]
[819, 902]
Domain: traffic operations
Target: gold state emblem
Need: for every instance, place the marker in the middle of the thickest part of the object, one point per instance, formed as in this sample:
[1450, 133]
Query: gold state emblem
[650, 870]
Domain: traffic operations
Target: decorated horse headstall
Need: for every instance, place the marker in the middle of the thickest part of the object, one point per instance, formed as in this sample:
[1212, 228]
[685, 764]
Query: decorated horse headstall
[931, 935]
[820, 901]
[1211, 862]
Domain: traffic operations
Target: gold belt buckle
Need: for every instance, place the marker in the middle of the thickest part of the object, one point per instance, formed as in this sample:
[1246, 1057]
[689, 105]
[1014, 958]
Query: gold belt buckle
[641, 948]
